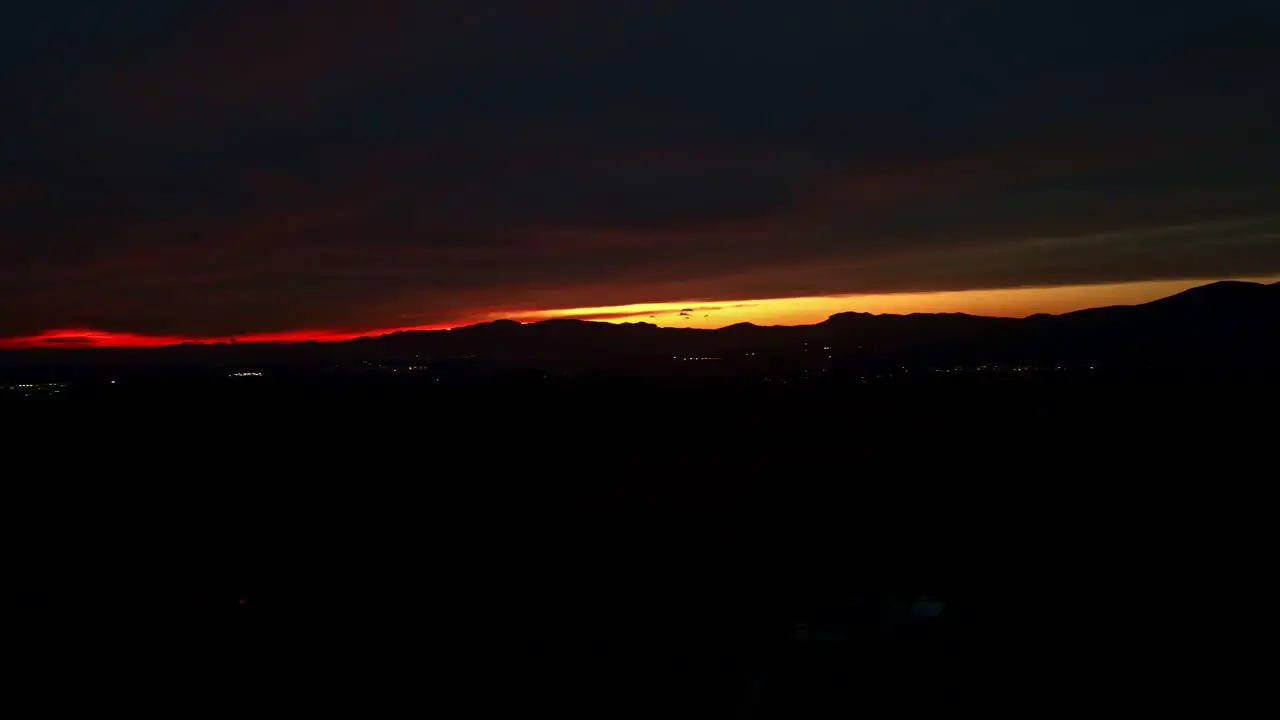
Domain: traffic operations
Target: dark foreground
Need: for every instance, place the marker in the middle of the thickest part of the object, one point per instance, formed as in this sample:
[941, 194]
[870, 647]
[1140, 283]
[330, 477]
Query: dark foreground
[628, 548]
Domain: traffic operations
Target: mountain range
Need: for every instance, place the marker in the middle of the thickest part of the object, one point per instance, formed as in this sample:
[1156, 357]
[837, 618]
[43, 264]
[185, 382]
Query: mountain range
[1226, 322]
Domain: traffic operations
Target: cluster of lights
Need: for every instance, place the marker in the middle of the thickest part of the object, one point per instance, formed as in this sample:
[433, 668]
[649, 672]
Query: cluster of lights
[246, 374]
[34, 389]
[1016, 368]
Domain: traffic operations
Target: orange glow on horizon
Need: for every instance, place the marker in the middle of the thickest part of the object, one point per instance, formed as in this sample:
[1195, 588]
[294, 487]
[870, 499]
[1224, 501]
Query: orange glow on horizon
[1013, 302]
[1010, 302]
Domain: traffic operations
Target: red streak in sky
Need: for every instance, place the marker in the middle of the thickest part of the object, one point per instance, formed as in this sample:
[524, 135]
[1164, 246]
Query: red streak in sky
[86, 338]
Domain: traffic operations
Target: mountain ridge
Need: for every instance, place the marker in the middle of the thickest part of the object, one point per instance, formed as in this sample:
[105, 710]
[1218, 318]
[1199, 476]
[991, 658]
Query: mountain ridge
[1223, 322]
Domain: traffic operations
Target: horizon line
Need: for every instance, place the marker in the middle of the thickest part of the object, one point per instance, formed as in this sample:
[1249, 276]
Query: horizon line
[633, 314]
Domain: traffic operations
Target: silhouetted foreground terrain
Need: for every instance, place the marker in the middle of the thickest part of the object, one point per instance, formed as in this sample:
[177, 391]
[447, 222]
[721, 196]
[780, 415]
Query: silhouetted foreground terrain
[628, 545]
[624, 544]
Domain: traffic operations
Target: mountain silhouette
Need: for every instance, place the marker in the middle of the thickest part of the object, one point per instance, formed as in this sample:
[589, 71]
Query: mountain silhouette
[1227, 298]
[1225, 315]
[1222, 322]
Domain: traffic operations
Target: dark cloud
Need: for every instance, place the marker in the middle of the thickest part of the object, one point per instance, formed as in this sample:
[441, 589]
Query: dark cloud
[70, 340]
[216, 168]
[603, 316]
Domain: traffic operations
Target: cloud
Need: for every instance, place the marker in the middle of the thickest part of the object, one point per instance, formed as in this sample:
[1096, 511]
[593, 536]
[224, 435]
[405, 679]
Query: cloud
[594, 316]
[1207, 250]
[360, 256]
[229, 59]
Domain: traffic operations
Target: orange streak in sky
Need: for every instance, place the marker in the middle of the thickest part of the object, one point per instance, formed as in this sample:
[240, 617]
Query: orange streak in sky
[1016, 302]
[1012, 302]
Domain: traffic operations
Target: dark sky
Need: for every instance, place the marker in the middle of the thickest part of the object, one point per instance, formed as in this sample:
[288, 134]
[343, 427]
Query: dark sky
[215, 168]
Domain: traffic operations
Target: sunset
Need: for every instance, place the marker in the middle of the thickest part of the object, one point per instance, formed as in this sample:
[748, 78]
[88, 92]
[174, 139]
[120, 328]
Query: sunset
[633, 358]
[703, 314]
[469, 186]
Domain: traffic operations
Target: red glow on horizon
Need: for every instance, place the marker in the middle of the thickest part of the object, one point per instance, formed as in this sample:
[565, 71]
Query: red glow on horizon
[89, 338]
[84, 337]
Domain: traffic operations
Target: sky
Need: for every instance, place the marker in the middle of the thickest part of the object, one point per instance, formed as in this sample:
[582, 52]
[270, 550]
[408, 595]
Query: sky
[323, 169]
